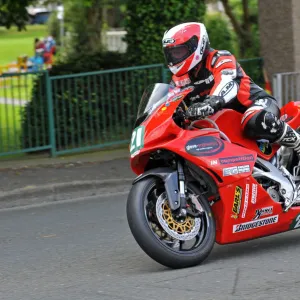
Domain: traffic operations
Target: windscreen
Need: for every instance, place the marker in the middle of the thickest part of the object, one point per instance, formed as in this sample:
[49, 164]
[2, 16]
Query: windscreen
[153, 96]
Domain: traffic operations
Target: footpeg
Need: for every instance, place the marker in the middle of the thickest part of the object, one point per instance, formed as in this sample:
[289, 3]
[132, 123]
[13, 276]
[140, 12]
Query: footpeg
[291, 197]
[296, 172]
[288, 205]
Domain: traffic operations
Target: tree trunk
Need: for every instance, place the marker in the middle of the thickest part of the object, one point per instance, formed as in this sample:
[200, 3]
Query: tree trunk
[242, 29]
[95, 23]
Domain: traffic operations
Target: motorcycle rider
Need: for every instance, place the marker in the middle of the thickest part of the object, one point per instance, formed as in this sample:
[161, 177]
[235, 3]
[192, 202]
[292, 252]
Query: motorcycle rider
[220, 82]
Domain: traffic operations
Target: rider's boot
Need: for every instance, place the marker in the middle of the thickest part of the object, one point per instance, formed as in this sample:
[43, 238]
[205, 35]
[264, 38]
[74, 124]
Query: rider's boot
[290, 139]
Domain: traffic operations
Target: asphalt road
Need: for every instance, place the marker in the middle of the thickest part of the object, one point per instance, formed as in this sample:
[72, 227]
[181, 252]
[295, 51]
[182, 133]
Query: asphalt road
[84, 250]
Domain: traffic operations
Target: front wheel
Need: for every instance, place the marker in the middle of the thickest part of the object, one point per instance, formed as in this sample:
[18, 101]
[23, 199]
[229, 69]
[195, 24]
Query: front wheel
[171, 242]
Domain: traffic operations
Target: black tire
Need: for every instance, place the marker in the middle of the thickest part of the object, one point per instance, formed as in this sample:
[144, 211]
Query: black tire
[151, 244]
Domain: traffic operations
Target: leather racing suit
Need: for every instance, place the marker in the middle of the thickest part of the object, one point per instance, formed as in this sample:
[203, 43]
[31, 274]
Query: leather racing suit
[221, 77]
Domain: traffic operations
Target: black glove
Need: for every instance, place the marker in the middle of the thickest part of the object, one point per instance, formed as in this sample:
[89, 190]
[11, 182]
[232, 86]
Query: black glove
[207, 108]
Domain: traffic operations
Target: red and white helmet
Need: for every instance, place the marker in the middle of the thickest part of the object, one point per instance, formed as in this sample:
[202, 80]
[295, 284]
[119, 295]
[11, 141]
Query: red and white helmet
[185, 46]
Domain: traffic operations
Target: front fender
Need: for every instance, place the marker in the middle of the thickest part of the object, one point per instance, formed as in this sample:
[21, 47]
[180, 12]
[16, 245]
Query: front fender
[170, 179]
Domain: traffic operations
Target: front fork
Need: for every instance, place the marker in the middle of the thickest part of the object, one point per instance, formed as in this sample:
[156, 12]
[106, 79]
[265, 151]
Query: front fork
[181, 183]
[183, 210]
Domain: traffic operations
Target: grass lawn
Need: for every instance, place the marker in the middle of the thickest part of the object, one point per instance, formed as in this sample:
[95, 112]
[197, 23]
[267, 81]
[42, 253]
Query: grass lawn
[16, 87]
[10, 124]
[14, 43]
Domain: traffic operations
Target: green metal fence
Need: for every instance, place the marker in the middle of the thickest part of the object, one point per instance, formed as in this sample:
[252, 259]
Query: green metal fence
[98, 109]
[78, 112]
[17, 135]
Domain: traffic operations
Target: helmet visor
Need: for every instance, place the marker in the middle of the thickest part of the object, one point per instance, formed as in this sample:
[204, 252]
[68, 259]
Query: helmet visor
[177, 54]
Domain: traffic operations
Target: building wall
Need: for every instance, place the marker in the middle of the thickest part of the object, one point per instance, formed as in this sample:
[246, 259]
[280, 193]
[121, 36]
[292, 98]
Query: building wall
[296, 32]
[278, 35]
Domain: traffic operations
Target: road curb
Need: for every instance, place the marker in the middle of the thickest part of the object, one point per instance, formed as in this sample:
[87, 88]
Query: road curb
[33, 191]
[64, 161]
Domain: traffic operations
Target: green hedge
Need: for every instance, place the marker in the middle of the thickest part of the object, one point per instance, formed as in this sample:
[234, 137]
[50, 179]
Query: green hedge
[254, 68]
[146, 22]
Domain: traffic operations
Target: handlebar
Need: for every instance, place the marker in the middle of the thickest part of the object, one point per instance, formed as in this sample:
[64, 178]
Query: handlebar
[180, 116]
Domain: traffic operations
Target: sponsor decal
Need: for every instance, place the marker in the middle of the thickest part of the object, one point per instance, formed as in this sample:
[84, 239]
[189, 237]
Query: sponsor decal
[246, 201]
[223, 62]
[236, 159]
[227, 88]
[214, 162]
[168, 41]
[214, 60]
[203, 45]
[176, 98]
[237, 202]
[289, 137]
[254, 193]
[227, 72]
[173, 92]
[204, 146]
[137, 139]
[296, 223]
[255, 224]
[183, 82]
[244, 169]
[263, 212]
[208, 80]
[236, 170]
[189, 89]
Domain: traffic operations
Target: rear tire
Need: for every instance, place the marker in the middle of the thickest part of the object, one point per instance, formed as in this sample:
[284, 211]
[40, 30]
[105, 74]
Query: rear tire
[155, 247]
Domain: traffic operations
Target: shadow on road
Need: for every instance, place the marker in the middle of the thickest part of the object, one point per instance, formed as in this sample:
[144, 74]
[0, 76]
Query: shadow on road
[224, 252]
[253, 247]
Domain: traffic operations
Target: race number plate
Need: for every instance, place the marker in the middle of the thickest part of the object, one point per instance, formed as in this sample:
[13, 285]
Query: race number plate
[137, 140]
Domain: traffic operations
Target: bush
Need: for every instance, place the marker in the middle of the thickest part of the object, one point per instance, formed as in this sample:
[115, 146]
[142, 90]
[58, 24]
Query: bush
[88, 110]
[147, 21]
[219, 33]
[254, 68]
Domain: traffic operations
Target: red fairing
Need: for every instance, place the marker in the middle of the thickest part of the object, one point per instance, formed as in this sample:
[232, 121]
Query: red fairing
[290, 113]
[243, 226]
[245, 210]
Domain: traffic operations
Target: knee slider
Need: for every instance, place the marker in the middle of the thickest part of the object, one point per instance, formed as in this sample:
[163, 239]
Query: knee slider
[264, 125]
[271, 123]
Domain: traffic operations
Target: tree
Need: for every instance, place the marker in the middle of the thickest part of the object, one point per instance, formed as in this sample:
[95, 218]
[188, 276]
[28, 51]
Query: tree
[220, 35]
[84, 22]
[147, 21]
[13, 12]
[243, 16]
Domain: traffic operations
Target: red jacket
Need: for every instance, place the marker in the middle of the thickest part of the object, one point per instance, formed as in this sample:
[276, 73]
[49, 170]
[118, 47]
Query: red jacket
[220, 74]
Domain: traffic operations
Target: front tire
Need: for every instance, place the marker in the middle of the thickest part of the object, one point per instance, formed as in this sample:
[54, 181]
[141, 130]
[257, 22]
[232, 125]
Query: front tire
[161, 247]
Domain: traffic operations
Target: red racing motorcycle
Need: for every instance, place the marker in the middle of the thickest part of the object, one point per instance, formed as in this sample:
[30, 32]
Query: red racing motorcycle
[203, 182]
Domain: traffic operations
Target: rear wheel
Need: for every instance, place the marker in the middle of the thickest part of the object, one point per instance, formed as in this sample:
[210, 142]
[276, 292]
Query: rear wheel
[175, 243]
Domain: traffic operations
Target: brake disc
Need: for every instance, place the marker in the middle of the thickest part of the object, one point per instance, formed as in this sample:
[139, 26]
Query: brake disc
[185, 230]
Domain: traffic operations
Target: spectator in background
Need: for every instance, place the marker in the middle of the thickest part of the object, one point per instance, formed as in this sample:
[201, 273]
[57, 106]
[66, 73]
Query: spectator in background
[38, 44]
[36, 40]
[50, 44]
[50, 49]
